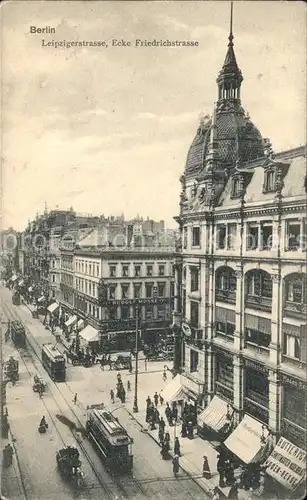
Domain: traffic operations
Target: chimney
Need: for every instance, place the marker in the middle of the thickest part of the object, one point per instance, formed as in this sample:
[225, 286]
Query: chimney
[129, 234]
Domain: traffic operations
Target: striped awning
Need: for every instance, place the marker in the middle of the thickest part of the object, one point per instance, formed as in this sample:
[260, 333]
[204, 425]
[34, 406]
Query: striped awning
[216, 415]
[248, 441]
[89, 334]
[53, 307]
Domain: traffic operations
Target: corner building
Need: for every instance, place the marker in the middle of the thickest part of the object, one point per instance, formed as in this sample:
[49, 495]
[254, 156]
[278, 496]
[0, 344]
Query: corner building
[241, 273]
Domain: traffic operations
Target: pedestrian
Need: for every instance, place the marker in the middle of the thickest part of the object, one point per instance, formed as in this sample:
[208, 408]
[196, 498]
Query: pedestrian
[75, 399]
[175, 463]
[168, 412]
[177, 447]
[175, 413]
[128, 386]
[161, 399]
[216, 494]
[145, 364]
[167, 437]
[162, 424]
[156, 399]
[148, 401]
[229, 473]
[164, 375]
[221, 470]
[161, 435]
[112, 395]
[233, 492]
[183, 429]
[206, 468]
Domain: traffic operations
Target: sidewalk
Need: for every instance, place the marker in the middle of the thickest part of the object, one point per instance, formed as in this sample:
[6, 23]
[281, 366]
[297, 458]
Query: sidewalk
[11, 480]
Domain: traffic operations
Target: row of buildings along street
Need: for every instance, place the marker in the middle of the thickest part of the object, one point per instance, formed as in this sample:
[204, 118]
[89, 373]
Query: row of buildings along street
[211, 317]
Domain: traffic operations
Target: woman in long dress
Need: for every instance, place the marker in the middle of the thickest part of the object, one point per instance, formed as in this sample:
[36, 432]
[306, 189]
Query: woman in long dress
[206, 468]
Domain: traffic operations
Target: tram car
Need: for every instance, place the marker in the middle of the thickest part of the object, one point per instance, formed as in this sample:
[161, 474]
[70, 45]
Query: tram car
[69, 464]
[16, 298]
[111, 439]
[11, 369]
[54, 362]
[18, 334]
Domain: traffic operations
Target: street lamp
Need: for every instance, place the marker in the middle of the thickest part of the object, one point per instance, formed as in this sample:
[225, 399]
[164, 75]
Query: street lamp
[135, 402]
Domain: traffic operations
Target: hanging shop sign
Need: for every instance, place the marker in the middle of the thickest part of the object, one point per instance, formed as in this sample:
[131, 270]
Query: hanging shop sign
[123, 302]
[287, 464]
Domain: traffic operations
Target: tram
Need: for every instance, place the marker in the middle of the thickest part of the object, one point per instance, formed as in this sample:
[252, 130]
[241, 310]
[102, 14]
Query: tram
[111, 439]
[54, 362]
[18, 334]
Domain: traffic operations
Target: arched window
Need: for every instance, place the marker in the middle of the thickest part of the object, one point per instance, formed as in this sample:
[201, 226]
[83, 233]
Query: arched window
[226, 280]
[259, 284]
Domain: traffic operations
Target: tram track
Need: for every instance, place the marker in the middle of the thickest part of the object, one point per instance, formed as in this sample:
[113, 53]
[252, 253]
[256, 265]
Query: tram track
[129, 487]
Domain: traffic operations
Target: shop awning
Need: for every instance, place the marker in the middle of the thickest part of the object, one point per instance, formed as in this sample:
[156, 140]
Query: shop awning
[53, 307]
[21, 283]
[41, 299]
[89, 334]
[30, 289]
[287, 464]
[215, 415]
[246, 440]
[71, 321]
[14, 277]
[174, 391]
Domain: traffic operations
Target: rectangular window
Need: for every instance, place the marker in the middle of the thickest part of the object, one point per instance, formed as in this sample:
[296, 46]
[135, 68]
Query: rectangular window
[125, 291]
[90, 269]
[112, 312]
[125, 271]
[194, 314]
[252, 236]
[112, 271]
[149, 290]
[97, 270]
[125, 312]
[292, 346]
[137, 290]
[149, 270]
[90, 288]
[161, 270]
[194, 278]
[193, 361]
[221, 236]
[266, 236]
[112, 292]
[137, 270]
[293, 234]
[161, 311]
[269, 181]
[185, 237]
[161, 289]
[149, 311]
[195, 236]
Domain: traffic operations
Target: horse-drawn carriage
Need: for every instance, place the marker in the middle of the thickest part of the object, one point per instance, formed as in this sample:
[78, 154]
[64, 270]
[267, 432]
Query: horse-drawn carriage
[39, 385]
[11, 370]
[69, 464]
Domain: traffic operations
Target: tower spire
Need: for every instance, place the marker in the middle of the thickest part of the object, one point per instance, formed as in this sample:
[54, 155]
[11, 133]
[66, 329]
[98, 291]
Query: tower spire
[230, 77]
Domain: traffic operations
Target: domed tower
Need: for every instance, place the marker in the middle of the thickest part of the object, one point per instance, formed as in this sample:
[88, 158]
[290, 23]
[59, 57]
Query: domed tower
[237, 138]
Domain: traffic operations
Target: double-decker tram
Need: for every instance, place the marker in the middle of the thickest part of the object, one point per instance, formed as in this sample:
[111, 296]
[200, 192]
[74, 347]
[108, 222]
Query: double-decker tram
[54, 362]
[18, 334]
[111, 439]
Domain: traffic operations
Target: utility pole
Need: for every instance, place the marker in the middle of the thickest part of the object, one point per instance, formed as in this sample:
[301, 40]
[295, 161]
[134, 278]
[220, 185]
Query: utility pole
[135, 403]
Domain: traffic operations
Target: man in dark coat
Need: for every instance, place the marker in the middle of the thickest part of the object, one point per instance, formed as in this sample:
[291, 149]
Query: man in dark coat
[156, 398]
[168, 413]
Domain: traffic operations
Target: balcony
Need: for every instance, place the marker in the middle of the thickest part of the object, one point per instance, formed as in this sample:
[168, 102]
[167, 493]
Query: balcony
[258, 349]
[259, 303]
[294, 362]
[295, 310]
[224, 336]
[227, 296]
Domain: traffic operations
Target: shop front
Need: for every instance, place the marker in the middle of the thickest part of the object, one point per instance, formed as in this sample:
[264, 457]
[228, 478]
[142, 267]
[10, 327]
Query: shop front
[256, 391]
[224, 376]
[287, 465]
[293, 412]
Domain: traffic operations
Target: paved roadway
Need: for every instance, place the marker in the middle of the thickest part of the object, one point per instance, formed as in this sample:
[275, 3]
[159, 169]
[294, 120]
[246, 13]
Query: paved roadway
[152, 476]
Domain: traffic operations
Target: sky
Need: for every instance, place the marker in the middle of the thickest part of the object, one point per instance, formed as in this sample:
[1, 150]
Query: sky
[107, 130]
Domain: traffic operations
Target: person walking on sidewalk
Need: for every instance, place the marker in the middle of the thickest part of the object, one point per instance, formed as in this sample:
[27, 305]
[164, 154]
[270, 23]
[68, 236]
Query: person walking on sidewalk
[161, 399]
[221, 470]
[75, 399]
[233, 492]
[161, 435]
[177, 447]
[175, 463]
[156, 399]
[168, 413]
[206, 468]
[148, 402]
[112, 395]
[164, 375]
[128, 386]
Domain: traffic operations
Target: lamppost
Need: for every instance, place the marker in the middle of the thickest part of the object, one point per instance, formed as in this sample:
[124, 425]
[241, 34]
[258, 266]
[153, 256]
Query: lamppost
[135, 402]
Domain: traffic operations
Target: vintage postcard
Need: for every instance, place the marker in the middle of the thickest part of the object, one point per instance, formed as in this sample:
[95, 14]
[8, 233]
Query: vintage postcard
[153, 281]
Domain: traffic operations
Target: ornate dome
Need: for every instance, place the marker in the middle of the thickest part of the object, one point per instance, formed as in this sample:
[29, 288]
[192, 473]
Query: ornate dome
[237, 138]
